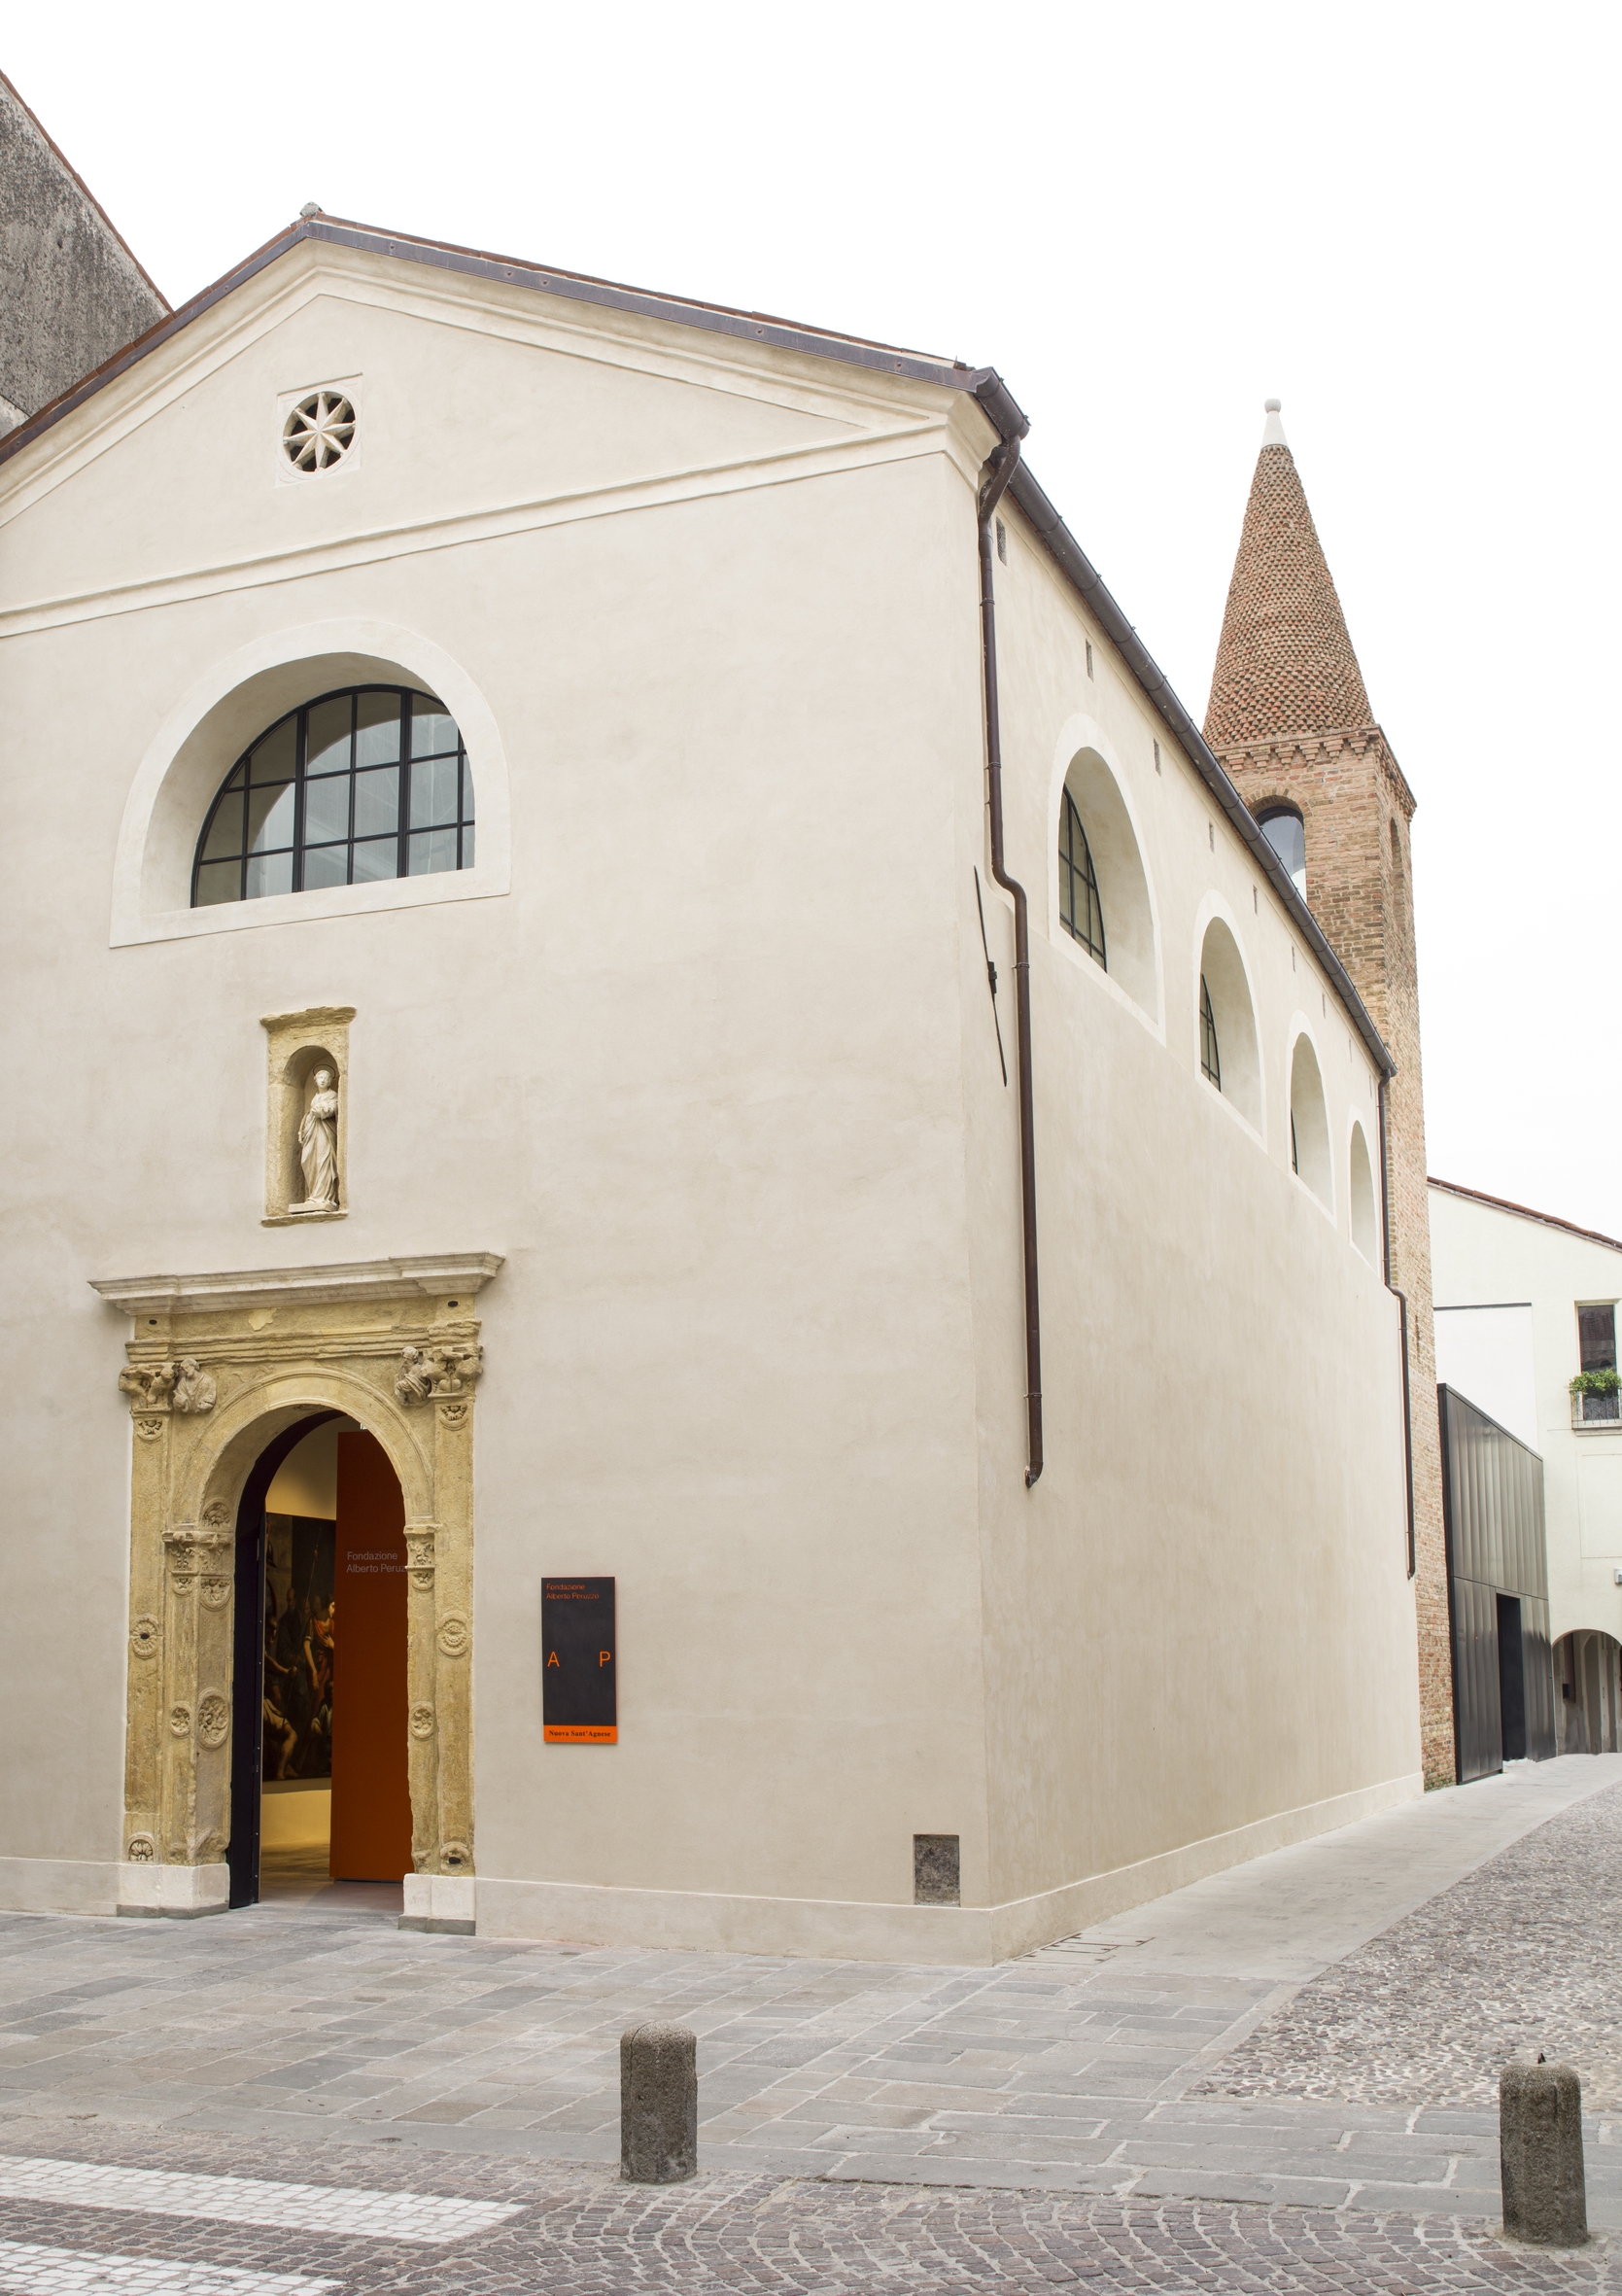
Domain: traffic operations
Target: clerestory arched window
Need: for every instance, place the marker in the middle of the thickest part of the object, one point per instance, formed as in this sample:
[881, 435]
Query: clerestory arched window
[1079, 910]
[1281, 825]
[361, 786]
[1210, 1058]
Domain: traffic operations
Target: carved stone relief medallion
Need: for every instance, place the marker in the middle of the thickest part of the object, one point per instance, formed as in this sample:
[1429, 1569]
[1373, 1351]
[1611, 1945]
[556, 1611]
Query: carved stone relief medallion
[145, 1636]
[214, 1719]
[149, 1430]
[215, 1591]
[455, 1635]
[456, 1856]
[141, 1848]
[180, 1721]
[422, 1721]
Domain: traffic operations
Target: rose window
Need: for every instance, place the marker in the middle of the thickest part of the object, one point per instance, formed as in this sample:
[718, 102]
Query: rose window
[318, 432]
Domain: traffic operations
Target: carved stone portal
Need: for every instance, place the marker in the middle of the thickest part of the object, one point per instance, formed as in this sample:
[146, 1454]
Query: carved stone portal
[278, 1347]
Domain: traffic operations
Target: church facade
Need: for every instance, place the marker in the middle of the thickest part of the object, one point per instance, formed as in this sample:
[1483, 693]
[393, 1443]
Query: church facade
[512, 961]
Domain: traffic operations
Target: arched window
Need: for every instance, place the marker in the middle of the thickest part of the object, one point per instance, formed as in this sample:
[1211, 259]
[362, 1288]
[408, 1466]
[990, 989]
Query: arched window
[361, 786]
[1365, 1229]
[1281, 825]
[1309, 1130]
[1230, 1056]
[1210, 1058]
[1079, 911]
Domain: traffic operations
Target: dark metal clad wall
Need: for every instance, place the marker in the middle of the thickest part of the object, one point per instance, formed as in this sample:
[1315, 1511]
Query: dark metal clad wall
[1493, 1506]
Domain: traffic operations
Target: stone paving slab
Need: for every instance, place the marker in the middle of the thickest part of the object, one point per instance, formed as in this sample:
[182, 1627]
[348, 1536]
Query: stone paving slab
[580, 2233]
[1096, 2067]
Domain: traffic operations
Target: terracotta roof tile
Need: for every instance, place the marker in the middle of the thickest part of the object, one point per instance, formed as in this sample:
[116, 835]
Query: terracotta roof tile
[1285, 664]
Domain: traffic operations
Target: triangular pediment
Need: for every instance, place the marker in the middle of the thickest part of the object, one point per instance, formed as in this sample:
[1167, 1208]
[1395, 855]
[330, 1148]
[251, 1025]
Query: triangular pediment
[474, 403]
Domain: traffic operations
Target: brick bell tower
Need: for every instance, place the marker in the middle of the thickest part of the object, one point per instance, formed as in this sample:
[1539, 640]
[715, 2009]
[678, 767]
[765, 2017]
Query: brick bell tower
[1289, 718]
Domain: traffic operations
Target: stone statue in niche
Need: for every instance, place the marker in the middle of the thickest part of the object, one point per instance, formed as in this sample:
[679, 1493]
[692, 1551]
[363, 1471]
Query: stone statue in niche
[318, 1147]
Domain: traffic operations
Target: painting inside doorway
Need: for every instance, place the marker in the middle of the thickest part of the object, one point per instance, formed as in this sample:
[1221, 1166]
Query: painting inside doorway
[301, 1629]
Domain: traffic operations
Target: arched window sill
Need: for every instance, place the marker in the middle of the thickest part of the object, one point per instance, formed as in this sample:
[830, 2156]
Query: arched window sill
[339, 900]
[1233, 1110]
[1316, 1201]
[1074, 954]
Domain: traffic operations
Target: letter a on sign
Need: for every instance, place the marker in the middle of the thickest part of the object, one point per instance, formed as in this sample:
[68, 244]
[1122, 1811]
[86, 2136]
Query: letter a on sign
[579, 1703]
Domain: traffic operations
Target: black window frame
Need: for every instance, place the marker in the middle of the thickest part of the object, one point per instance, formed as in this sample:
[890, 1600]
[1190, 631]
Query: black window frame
[464, 826]
[1210, 1051]
[1597, 1335]
[1071, 870]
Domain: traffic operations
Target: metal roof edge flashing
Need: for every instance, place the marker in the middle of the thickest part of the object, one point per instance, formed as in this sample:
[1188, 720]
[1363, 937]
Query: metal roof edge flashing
[1085, 579]
[981, 382]
[714, 318]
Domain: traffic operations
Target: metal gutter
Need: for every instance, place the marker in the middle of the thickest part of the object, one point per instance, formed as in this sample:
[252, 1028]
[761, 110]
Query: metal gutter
[984, 383]
[1085, 579]
[997, 475]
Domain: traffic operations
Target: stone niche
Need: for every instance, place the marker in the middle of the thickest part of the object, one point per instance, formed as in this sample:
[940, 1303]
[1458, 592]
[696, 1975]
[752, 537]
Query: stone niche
[298, 1048]
[216, 1366]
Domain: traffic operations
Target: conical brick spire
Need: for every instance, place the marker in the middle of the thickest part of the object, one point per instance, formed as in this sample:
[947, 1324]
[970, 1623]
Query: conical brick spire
[1285, 664]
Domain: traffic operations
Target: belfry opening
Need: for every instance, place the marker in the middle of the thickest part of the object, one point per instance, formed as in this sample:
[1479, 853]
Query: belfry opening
[320, 1769]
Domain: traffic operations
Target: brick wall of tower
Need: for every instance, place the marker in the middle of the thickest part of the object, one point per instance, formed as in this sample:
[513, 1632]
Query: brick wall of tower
[1351, 793]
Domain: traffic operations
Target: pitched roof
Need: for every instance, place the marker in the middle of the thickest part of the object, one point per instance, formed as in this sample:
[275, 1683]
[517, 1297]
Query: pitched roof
[1521, 1211]
[1285, 662]
[996, 402]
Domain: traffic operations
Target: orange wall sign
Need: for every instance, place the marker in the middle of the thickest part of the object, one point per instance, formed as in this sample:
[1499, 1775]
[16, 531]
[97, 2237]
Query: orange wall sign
[579, 1703]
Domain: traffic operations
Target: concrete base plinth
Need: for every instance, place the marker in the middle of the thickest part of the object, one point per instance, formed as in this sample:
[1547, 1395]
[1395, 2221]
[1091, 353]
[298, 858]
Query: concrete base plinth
[445, 1901]
[176, 1892]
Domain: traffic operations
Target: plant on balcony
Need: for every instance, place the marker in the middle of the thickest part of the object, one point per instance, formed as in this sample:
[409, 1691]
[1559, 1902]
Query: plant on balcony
[1597, 1384]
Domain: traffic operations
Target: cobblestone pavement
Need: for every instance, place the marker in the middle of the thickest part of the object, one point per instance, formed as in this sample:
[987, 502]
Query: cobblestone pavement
[1062, 2117]
[580, 2232]
[1524, 1951]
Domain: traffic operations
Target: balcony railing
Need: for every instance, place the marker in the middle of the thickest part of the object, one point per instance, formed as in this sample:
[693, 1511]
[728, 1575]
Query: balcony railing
[1597, 1410]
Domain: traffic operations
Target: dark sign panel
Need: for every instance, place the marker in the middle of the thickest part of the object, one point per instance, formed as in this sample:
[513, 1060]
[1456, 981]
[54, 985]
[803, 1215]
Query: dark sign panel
[578, 1704]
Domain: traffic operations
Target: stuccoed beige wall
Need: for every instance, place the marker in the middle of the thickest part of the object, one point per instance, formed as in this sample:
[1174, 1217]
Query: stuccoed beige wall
[1198, 1624]
[697, 1078]
[714, 1076]
[1480, 1257]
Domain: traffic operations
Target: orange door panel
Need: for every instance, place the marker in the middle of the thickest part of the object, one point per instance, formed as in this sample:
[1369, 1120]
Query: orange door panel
[371, 1794]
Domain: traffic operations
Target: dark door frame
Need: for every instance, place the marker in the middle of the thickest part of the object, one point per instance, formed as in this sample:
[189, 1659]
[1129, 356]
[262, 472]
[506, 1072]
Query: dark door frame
[1511, 1657]
[248, 1658]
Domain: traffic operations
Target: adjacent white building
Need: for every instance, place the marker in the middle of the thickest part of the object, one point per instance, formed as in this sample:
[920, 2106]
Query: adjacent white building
[1524, 1304]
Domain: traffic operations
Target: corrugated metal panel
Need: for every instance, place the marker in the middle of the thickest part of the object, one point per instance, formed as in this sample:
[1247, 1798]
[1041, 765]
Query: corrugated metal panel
[1493, 1510]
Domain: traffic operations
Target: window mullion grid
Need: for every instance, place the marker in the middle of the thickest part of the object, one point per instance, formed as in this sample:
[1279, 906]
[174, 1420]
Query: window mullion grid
[354, 785]
[300, 754]
[403, 852]
[460, 797]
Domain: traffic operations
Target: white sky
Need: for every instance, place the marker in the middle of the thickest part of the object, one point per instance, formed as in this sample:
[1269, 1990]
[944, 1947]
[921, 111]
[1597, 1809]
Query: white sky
[1400, 219]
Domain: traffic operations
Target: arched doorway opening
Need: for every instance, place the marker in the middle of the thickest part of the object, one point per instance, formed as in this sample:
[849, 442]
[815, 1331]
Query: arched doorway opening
[1588, 1693]
[320, 1787]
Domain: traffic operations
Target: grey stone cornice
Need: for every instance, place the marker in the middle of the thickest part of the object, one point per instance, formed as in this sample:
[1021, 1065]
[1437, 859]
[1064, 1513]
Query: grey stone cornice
[410, 1277]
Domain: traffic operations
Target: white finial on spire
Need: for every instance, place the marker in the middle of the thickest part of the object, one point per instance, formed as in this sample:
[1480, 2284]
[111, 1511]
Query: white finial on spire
[1273, 434]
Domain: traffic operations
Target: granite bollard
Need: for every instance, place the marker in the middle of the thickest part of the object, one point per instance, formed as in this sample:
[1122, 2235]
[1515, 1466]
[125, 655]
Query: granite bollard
[658, 2105]
[1545, 2200]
